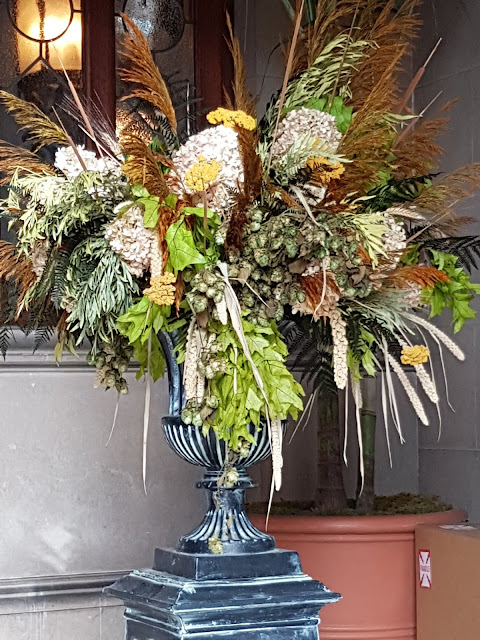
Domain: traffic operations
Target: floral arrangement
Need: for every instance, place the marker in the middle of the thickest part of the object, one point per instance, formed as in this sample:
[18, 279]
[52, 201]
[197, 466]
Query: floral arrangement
[327, 211]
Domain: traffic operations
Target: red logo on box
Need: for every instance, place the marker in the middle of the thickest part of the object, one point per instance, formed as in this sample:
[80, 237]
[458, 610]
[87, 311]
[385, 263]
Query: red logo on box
[425, 568]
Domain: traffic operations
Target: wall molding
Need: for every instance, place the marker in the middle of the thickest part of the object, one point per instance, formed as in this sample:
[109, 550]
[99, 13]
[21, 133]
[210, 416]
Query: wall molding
[57, 593]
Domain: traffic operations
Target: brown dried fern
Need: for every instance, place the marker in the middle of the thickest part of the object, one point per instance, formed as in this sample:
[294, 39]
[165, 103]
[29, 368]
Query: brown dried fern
[242, 96]
[18, 268]
[41, 131]
[424, 276]
[13, 158]
[141, 166]
[142, 71]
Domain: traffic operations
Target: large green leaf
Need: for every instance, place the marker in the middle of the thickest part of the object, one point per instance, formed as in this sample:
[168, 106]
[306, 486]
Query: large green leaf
[181, 245]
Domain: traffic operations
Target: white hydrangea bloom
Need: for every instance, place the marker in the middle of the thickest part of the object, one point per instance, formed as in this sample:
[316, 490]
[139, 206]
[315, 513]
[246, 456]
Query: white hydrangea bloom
[395, 238]
[130, 239]
[67, 162]
[218, 143]
[296, 123]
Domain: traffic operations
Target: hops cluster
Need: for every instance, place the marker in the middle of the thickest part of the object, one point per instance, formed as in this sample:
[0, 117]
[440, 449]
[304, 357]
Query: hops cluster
[67, 161]
[219, 144]
[131, 240]
[202, 174]
[296, 123]
[112, 363]
[162, 289]
[415, 356]
[206, 286]
[232, 119]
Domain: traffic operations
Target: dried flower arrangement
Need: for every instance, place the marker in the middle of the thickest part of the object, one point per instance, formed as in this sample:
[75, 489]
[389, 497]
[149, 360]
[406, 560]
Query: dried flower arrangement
[327, 211]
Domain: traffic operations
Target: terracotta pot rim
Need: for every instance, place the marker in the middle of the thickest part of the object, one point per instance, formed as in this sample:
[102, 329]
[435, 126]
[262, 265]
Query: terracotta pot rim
[358, 524]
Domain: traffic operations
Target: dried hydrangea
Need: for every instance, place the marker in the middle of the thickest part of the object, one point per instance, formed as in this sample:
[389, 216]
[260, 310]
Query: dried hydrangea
[219, 144]
[131, 240]
[39, 257]
[320, 124]
[395, 238]
[66, 160]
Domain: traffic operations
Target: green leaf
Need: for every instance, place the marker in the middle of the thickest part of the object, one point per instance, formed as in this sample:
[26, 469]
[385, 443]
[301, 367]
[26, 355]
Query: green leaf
[139, 191]
[152, 213]
[171, 201]
[253, 401]
[181, 245]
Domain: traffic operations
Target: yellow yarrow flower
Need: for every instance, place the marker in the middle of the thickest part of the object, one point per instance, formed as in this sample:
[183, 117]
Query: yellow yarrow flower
[415, 356]
[202, 174]
[162, 289]
[325, 169]
[232, 119]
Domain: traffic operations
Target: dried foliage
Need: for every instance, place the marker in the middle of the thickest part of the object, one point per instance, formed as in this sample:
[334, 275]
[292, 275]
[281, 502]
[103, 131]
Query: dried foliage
[17, 268]
[391, 35]
[416, 148]
[16, 159]
[243, 99]
[422, 275]
[141, 165]
[41, 131]
[448, 190]
[142, 71]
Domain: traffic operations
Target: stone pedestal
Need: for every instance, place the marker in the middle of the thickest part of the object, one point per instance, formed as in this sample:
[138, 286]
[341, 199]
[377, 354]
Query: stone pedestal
[257, 596]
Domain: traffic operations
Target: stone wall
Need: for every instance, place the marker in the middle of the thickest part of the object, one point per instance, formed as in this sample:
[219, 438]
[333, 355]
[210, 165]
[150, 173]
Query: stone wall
[450, 465]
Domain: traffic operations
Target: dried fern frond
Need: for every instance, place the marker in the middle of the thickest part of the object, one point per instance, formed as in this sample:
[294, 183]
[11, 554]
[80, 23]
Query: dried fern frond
[371, 134]
[142, 70]
[17, 159]
[141, 165]
[8, 260]
[448, 190]
[424, 276]
[40, 130]
[252, 179]
[18, 268]
[392, 32]
[417, 152]
[244, 100]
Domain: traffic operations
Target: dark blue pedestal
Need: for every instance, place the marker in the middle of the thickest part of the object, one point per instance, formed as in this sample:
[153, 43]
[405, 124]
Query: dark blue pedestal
[258, 596]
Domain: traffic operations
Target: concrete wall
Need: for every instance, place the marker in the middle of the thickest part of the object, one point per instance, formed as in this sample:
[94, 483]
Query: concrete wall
[450, 466]
[73, 510]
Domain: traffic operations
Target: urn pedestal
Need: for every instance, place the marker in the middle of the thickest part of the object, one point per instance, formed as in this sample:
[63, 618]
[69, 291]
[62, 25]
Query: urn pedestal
[225, 579]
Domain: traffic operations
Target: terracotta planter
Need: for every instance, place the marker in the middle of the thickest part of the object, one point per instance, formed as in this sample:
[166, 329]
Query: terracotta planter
[370, 560]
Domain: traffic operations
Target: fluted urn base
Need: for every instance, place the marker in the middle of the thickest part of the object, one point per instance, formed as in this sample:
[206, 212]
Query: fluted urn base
[226, 579]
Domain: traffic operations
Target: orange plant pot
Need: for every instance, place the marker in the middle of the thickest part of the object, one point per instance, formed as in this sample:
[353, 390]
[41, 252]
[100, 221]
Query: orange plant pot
[370, 560]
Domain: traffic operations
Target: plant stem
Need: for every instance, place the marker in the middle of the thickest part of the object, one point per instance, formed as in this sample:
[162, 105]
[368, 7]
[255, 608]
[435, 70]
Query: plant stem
[366, 501]
[330, 494]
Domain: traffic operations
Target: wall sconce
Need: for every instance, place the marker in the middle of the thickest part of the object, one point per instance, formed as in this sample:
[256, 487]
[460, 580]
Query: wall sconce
[49, 34]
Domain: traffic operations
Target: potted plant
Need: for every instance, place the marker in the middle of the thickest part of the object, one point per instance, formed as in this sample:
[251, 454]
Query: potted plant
[326, 210]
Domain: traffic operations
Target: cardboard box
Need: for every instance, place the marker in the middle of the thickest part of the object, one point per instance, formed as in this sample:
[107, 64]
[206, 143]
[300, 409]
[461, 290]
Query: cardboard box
[448, 582]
